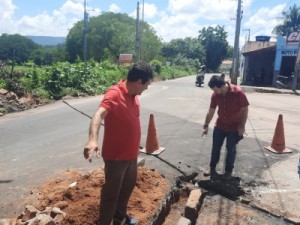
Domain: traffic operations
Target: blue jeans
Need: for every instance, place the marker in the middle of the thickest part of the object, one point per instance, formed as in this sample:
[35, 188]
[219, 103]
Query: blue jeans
[218, 140]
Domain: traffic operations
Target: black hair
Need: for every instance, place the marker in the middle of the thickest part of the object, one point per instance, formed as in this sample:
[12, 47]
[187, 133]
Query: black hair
[216, 81]
[140, 70]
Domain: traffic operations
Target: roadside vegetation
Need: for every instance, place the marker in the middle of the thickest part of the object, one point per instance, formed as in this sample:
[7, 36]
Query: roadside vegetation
[52, 72]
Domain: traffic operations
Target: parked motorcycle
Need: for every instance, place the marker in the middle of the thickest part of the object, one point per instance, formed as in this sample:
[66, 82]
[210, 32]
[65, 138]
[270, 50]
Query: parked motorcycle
[284, 81]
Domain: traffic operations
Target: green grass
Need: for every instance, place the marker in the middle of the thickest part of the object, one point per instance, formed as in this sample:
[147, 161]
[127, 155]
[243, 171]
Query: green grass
[28, 69]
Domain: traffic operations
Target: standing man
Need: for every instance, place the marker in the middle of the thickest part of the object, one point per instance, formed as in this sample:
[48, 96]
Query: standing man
[120, 110]
[232, 116]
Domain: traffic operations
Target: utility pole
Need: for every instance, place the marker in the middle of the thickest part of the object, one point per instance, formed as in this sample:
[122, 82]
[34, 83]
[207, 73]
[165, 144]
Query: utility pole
[236, 49]
[297, 67]
[85, 29]
[137, 39]
[142, 32]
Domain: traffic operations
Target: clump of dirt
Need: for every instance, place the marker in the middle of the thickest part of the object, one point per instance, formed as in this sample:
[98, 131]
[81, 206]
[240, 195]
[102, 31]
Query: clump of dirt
[81, 200]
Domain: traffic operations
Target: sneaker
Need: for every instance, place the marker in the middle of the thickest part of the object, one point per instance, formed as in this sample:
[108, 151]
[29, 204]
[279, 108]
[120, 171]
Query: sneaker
[128, 220]
[210, 172]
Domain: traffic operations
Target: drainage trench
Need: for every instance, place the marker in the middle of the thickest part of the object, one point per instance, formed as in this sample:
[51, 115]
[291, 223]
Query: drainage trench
[220, 202]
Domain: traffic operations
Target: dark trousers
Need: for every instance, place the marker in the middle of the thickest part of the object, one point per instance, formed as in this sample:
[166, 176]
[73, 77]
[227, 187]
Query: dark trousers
[120, 180]
[218, 140]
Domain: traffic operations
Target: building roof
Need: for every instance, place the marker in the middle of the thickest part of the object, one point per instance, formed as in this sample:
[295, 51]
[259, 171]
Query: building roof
[255, 46]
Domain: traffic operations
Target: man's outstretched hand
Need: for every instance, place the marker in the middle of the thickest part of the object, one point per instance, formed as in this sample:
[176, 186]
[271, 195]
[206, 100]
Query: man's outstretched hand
[89, 149]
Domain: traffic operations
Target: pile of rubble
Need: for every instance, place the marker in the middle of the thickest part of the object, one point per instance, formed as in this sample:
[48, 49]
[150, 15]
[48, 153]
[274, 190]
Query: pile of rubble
[33, 216]
[10, 102]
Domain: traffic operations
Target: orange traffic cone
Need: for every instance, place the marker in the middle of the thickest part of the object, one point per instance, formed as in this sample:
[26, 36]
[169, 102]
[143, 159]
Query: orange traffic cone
[152, 146]
[278, 142]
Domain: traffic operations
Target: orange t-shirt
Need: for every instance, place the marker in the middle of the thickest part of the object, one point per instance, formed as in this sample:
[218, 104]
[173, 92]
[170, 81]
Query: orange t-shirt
[122, 129]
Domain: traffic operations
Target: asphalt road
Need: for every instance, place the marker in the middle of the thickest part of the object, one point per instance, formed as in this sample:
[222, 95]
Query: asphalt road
[40, 143]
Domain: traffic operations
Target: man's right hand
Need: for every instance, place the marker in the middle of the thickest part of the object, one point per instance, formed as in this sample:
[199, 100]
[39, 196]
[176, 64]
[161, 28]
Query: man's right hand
[89, 149]
[204, 132]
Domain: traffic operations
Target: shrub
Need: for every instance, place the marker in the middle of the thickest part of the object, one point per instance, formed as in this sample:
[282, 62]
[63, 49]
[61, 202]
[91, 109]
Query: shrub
[156, 65]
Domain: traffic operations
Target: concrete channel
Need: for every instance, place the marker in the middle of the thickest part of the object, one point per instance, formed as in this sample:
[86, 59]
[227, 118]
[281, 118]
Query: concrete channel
[205, 202]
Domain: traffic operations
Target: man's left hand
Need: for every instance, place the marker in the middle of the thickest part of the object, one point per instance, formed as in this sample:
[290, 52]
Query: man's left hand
[241, 130]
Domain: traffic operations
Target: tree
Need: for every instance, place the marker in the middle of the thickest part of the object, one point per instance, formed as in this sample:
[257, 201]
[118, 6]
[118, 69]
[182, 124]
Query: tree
[229, 52]
[151, 44]
[109, 35]
[16, 48]
[291, 21]
[216, 46]
[184, 51]
[48, 55]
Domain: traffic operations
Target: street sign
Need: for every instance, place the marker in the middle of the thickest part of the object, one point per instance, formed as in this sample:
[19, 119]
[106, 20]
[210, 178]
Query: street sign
[293, 38]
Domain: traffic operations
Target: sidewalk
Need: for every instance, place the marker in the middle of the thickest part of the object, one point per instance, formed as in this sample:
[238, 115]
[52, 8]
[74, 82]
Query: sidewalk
[268, 90]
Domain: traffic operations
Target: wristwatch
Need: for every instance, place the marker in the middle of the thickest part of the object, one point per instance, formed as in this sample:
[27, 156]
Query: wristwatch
[205, 126]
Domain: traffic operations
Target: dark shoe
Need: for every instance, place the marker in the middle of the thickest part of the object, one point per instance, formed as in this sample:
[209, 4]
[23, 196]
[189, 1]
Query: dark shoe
[128, 220]
[227, 175]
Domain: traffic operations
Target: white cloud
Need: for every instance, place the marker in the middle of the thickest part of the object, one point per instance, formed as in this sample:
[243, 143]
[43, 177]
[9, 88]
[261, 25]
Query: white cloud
[150, 11]
[7, 11]
[69, 7]
[206, 9]
[7, 8]
[114, 8]
[170, 27]
[264, 21]
[181, 18]
[186, 18]
[55, 23]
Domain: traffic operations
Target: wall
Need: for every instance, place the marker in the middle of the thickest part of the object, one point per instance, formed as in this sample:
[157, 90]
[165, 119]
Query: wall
[283, 50]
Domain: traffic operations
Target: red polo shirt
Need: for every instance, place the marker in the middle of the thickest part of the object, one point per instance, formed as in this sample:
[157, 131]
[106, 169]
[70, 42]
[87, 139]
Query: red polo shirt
[229, 105]
[122, 130]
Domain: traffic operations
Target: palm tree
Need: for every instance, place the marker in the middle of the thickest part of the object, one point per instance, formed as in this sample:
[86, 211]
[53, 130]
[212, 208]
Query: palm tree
[291, 21]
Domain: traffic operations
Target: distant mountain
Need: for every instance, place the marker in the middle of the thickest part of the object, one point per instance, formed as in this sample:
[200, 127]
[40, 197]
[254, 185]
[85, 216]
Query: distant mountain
[47, 40]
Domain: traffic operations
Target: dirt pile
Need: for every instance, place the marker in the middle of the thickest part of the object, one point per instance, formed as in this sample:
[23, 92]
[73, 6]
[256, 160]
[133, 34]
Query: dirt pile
[11, 102]
[78, 195]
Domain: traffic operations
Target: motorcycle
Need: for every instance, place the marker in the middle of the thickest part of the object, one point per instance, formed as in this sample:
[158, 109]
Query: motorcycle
[284, 81]
[200, 78]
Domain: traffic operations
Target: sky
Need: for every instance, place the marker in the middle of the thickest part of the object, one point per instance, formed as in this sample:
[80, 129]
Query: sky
[170, 19]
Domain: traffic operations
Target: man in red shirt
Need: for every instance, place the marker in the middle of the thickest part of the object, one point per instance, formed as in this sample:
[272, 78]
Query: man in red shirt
[120, 110]
[232, 116]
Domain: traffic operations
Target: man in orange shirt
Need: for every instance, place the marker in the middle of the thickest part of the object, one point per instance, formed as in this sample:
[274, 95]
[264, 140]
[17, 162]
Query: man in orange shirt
[120, 110]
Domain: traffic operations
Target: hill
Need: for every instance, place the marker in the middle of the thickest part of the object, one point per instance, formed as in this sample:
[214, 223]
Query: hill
[47, 40]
